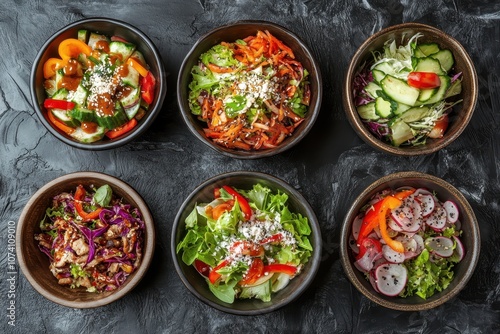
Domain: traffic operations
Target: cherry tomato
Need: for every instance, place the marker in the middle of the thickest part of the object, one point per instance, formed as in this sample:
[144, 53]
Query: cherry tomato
[220, 209]
[246, 248]
[424, 80]
[148, 84]
[214, 276]
[255, 271]
[202, 267]
[369, 245]
[439, 127]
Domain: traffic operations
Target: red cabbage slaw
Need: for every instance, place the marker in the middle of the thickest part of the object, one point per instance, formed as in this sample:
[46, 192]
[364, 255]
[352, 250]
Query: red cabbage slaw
[97, 254]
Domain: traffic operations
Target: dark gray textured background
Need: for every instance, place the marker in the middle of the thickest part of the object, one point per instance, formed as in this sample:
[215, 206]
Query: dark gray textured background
[330, 166]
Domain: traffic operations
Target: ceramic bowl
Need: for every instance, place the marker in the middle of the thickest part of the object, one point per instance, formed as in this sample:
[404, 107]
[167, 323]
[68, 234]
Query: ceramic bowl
[230, 33]
[462, 112]
[35, 264]
[108, 27]
[198, 285]
[470, 239]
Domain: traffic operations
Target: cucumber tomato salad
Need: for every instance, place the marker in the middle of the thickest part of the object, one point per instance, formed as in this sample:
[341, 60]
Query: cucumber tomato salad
[92, 238]
[246, 243]
[99, 86]
[403, 94]
[252, 93]
[407, 242]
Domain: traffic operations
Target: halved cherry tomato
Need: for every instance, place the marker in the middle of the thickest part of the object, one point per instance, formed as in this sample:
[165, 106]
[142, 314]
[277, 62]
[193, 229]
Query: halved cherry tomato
[148, 84]
[424, 80]
[117, 132]
[368, 244]
[255, 271]
[439, 127]
[214, 276]
[245, 207]
[51, 66]
[79, 195]
[244, 247]
[202, 267]
[216, 192]
[218, 210]
[280, 268]
[58, 104]
[72, 47]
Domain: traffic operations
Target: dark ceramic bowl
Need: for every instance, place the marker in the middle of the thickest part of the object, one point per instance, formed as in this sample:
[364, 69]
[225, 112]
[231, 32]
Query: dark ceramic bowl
[35, 264]
[230, 33]
[199, 286]
[462, 112]
[108, 27]
[470, 239]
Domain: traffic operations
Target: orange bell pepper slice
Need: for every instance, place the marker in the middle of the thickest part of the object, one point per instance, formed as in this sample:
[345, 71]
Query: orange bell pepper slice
[51, 66]
[72, 47]
[60, 125]
[138, 67]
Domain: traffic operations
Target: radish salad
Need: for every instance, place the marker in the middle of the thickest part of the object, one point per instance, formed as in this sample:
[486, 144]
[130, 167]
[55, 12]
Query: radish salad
[407, 242]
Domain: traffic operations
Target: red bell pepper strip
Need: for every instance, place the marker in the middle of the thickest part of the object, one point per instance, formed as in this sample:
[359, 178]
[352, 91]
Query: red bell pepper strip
[214, 276]
[58, 104]
[245, 207]
[148, 84]
[117, 132]
[60, 125]
[79, 196]
[280, 268]
[272, 239]
[374, 215]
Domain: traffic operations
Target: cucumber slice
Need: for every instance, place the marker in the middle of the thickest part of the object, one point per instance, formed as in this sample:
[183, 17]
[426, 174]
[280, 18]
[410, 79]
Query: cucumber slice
[383, 108]
[132, 77]
[95, 38]
[399, 91]
[415, 114]
[60, 94]
[440, 94]
[113, 121]
[50, 87]
[123, 49]
[82, 35]
[63, 116]
[80, 95]
[384, 67]
[378, 75]
[59, 77]
[426, 94]
[139, 57]
[367, 111]
[429, 64]
[401, 108]
[426, 49]
[84, 137]
[372, 89]
[83, 114]
[445, 58]
[83, 60]
[132, 111]
[131, 99]
[401, 132]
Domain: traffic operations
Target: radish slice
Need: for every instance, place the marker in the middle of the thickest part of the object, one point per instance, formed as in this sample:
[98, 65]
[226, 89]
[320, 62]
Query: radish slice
[422, 191]
[427, 204]
[437, 220]
[420, 243]
[391, 255]
[365, 263]
[356, 225]
[441, 246]
[459, 251]
[393, 225]
[402, 215]
[451, 211]
[458, 225]
[391, 278]
[373, 281]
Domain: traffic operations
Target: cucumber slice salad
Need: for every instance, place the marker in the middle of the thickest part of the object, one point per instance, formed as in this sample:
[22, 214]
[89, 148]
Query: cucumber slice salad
[407, 241]
[402, 95]
[246, 243]
[99, 86]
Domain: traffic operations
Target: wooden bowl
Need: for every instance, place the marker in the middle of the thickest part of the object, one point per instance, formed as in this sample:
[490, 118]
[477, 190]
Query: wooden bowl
[35, 264]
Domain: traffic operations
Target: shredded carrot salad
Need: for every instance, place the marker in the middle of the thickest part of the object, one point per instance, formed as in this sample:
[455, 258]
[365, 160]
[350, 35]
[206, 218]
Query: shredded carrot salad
[252, 93]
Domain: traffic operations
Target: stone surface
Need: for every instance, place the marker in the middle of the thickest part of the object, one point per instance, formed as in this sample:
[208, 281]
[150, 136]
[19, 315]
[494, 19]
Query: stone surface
[330, 166]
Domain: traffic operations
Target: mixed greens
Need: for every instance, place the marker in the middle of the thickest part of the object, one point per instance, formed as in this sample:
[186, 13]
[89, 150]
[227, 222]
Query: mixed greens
[246, 243]
[402, 95]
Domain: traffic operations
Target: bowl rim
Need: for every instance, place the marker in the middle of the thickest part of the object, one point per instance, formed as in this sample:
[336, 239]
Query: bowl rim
[354, 118]
[148, 248]
[345, 249]
[141, 127]
[239, 154]
[316, 239]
